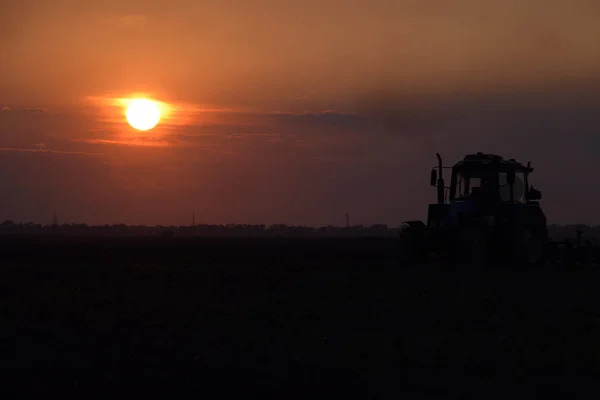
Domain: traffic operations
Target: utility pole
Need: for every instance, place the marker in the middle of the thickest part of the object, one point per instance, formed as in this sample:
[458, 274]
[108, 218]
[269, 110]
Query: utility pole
[347, 220]
[54, 219]
[193, 219]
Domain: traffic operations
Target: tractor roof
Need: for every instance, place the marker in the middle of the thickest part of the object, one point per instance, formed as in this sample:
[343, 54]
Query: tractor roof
[479, 160]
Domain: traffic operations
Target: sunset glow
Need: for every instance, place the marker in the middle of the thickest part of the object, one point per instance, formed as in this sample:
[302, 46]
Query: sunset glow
[143, 114]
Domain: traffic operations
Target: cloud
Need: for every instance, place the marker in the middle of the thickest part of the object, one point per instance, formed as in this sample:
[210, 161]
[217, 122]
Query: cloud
[216, 127]
[319, 119]
[368, 124]
[30, 110]
[44, 150]
[115, 21]
[464, 114]
[131, 142]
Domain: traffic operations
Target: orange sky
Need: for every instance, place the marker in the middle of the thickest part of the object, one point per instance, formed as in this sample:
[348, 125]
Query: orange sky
[288, 112]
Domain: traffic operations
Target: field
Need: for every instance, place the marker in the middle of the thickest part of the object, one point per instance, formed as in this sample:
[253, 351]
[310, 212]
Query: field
[218, 317]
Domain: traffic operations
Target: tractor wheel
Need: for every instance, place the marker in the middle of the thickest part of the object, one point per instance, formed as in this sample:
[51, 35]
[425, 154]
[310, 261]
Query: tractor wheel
[534, 247]
[531, 247]
[470, 247]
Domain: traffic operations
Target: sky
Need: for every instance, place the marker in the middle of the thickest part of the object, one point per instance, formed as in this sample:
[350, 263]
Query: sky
[290, 112]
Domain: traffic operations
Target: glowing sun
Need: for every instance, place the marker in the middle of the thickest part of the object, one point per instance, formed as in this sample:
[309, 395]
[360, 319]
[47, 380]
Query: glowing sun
[143, 114]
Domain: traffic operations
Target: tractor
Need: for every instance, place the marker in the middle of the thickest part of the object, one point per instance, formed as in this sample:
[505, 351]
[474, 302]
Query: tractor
[489, 213]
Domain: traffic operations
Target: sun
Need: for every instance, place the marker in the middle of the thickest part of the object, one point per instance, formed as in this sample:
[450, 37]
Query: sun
[143, 114]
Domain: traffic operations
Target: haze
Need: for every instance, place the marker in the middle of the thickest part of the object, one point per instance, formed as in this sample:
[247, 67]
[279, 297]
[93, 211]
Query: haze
[291, 112]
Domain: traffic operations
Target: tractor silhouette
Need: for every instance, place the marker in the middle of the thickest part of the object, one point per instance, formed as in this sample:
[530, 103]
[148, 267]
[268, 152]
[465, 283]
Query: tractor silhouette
[489, 212]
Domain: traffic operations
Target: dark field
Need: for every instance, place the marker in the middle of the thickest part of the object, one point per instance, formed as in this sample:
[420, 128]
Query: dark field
[331, 317]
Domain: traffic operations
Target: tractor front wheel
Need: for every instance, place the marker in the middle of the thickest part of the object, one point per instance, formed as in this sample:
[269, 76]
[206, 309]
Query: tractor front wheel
[531, 247]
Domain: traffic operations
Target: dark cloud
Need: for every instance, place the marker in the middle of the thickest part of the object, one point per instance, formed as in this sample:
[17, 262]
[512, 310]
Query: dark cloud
[26, 109]
[322, 119]
[499, 114]
[42, 149]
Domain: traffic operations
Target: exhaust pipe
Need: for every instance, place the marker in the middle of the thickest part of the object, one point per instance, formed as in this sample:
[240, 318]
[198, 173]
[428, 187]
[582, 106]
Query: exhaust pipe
[440, 181]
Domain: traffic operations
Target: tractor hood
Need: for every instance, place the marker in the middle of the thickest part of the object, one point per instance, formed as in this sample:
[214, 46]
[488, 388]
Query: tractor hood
[456, 207]
[446, 214]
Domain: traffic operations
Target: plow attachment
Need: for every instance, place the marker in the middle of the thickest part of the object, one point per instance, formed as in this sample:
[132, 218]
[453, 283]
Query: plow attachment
[577, 252]
[418, 246]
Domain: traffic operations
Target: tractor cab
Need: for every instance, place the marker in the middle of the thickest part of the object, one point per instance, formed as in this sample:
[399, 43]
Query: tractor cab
[480, 185]
[490, 178]
[485, 177]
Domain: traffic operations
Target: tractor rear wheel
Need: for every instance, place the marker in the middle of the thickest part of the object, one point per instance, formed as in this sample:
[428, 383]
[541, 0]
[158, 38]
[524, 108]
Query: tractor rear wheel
[534, 247]
[530, 246]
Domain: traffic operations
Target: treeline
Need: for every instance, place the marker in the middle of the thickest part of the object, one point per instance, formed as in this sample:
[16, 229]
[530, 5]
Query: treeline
[204, 230]
[556, 232]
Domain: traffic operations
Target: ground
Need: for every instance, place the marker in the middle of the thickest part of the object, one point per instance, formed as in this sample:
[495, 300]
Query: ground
[289, 322]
